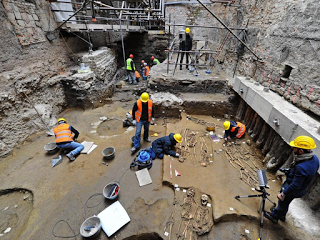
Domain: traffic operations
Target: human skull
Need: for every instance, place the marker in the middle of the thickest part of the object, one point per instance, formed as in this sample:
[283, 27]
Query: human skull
[190, 192]
[204, 199]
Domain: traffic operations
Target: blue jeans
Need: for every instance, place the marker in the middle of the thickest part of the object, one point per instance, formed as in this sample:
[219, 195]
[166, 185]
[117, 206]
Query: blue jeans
[77, 147]
[137, 137]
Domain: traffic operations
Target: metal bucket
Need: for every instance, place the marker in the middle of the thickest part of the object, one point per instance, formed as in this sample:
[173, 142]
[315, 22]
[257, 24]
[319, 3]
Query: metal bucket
[91, 232]
[108, 153]
[51, 148]
[111, 190]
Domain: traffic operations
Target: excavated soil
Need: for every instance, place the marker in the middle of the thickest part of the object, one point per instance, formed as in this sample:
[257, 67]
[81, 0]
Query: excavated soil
[156, 210]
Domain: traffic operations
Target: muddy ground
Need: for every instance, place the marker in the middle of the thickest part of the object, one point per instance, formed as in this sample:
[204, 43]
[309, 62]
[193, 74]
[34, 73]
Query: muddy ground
[35, 196]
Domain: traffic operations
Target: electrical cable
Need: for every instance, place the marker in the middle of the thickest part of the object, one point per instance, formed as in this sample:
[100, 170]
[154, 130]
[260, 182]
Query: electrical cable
[74, 234]
[85, 213]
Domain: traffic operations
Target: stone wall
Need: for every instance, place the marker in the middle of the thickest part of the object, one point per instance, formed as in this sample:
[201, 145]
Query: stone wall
[285, 34]
[23, 101]
[37, 76]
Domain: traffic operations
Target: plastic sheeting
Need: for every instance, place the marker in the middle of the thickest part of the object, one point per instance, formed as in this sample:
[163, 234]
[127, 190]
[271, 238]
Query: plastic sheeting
[62, 16]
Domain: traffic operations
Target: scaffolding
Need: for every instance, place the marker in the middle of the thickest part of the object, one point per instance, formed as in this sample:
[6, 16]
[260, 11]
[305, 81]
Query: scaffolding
[110, 15]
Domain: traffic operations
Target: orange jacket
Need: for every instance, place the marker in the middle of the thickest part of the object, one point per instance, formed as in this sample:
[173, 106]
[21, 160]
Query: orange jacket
[137, 74]
[139, 111]
[241, 130]
[63, 133]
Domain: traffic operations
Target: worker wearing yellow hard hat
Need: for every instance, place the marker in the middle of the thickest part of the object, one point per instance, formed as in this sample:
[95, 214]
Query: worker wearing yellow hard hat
[303, 169]
[185, 45]
[165, 145]
[143, 114]
[65, 138]
[233, 130]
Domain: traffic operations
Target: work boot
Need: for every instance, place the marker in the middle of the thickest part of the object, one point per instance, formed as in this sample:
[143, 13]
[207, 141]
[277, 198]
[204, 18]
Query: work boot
[272, 219]
[133, 149]
[71, 157]
[180, 68]
[281, 218]
[147, 140]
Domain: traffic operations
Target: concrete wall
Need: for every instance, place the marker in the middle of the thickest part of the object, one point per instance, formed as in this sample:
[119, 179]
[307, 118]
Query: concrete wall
[290, 123]
[280, 32]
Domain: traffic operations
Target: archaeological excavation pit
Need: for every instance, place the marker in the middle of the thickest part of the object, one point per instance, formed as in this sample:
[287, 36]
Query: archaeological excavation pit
[255, 62]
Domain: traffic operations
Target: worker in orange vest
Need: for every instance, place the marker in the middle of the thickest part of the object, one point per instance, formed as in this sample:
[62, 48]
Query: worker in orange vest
[145, 71]
[143, 114]
[65, 138]
[233, 130]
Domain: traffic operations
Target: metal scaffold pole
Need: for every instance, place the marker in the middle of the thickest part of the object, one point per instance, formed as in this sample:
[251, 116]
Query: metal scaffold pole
[229, 30]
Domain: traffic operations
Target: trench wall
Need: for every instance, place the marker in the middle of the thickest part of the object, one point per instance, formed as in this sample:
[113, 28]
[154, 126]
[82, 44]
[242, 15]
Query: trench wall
[285, 34]
[272, 123]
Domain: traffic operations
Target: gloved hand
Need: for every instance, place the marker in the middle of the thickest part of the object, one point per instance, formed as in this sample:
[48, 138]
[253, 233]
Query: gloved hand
[177, 154]
[134, 122]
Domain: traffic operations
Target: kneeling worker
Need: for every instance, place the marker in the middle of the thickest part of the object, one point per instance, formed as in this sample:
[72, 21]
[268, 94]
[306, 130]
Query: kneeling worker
[65, 138]
[165, 145]
[302, 170]
[233, 130]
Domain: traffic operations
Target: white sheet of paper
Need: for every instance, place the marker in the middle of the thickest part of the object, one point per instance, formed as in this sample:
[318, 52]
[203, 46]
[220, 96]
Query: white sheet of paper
[113, 218]
[87, 146]
[92, 148]
[143, 177]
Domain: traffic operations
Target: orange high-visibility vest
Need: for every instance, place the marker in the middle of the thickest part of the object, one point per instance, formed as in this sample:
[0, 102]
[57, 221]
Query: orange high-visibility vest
[136, 73]
[148, 70]
[139, 111]
[241, 131]
[63, 133]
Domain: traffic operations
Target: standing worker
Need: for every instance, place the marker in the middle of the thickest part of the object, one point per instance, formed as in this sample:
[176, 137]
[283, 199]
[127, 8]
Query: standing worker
[165, 145]
[145, 71]
[155, 61]
[233, 130]
[143, 114]
[185, 45]
[303, 169]
[66, 140]
[131, 70]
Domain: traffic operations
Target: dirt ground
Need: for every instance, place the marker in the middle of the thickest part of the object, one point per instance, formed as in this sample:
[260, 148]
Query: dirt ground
[35, 196]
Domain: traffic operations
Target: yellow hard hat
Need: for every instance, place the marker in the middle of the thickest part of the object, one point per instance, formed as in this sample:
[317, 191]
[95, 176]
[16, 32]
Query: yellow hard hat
[303, 142]
[61, 120]
[226, 125]
[177, 137]
[187, 30]
[144, 97]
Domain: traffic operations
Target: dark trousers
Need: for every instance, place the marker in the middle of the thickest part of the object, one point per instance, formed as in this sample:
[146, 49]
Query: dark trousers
[187, 60]
[283, 206]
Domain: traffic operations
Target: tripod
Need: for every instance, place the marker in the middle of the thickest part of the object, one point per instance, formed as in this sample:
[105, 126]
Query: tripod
[264, 196]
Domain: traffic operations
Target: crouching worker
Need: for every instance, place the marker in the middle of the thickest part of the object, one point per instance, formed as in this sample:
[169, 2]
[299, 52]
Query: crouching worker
[128, 121]
[233, 130]
[302, 170]
[65, 138]
[165, 145]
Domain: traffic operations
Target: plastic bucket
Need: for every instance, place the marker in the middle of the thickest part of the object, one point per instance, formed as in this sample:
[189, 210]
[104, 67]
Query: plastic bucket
[108, 153]
[92, 226]
[51, 148]
[111, 190]
[211, 126]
